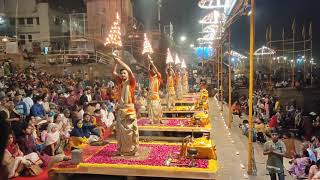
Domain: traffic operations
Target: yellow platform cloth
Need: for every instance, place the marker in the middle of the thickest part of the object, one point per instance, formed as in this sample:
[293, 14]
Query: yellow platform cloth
[206, 148]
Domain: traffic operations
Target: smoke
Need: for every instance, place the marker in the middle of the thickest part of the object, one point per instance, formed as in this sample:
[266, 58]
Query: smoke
[147, 11]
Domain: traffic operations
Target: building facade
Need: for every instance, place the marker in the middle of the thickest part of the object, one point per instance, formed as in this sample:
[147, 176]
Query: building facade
[35, 23]
[102, 13]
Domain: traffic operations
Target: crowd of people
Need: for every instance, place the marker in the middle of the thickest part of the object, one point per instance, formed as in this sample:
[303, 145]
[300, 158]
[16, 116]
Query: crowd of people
[281, 124]
[48, 116]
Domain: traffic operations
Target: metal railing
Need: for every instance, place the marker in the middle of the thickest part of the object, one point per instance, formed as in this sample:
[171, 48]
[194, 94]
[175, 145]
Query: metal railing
[78, 56]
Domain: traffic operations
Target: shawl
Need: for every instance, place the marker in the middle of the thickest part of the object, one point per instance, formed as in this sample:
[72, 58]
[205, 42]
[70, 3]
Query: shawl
[52, 137]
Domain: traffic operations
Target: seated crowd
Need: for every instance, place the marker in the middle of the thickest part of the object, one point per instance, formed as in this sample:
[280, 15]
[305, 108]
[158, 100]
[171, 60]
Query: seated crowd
[49, 116]
[288, 121]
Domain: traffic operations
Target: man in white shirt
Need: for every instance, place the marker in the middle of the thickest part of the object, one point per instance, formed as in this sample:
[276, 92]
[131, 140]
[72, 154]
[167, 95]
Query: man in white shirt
[29, 102]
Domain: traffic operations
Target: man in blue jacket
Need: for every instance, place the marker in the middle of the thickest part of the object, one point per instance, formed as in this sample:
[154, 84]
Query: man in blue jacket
[37, 109]
[21, 107]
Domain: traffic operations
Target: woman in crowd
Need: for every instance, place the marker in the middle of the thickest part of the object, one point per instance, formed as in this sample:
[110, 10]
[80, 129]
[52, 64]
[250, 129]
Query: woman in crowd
[15, 160]
[26, 141]
[299, 166]
[80, 134]
[4, 129]
[52, 141]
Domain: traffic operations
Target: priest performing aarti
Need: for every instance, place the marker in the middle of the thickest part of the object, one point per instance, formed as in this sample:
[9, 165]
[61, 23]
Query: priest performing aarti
[127, 134]
[179, 89]
[171, 94]
[178, 78]
[185, 82]
[154, 103]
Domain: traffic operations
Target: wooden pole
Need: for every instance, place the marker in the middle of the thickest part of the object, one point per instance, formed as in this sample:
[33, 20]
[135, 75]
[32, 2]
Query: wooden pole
[304, 59]
[284, 60]
[230, 84]
[311, 64]
[294, 61]
[221, 71]
[250, 151]
[270, 65]
[218, 60]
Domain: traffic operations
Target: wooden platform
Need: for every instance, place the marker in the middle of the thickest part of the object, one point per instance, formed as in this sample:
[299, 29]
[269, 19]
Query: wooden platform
[175, 129]
[171, 129]
[178, 113]
[205, 169]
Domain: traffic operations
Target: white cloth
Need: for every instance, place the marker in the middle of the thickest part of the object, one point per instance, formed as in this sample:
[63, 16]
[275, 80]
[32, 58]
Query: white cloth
[89, 97]
[13, 163]
[110, 84]
[52, 137]
[29, 103]
[107, 117]
[93, 138]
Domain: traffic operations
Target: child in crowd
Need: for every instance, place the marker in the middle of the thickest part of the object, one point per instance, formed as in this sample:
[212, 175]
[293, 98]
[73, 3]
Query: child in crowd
[80, 134]
[260, 130]
[245, 130]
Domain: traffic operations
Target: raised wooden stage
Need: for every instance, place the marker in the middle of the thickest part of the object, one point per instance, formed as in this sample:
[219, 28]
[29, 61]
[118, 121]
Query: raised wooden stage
[149, 163]
[153, 157]
[171, 129]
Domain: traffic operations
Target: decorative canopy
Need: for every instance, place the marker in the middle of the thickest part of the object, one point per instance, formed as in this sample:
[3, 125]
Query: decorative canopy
[264, 51]
[236, 54]
[203, 41]
[212, 4]
[212, 28]
[212, 18]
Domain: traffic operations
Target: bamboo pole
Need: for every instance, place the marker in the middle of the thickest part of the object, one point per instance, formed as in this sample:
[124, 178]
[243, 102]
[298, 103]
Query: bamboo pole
[250, 150]
[221, 71]
[304, 59]
[230, 83]
[311, 64]
[270, 65]
[218, 61]
[294, 62]
[284, 60]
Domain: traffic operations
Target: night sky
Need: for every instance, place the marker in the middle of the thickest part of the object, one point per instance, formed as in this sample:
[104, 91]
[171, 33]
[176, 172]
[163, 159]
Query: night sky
[184, 15]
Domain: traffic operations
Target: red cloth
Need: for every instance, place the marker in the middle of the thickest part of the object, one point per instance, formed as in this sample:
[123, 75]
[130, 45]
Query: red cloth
[104, 94]
[273, 122]
[98, 121]
[11, 148]
[132, 83]
[42, 176]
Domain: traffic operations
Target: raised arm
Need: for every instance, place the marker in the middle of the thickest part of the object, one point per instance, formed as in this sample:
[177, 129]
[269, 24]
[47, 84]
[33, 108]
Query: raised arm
[155, 68]
[125, 66]
[167, 69]
[114, 71]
